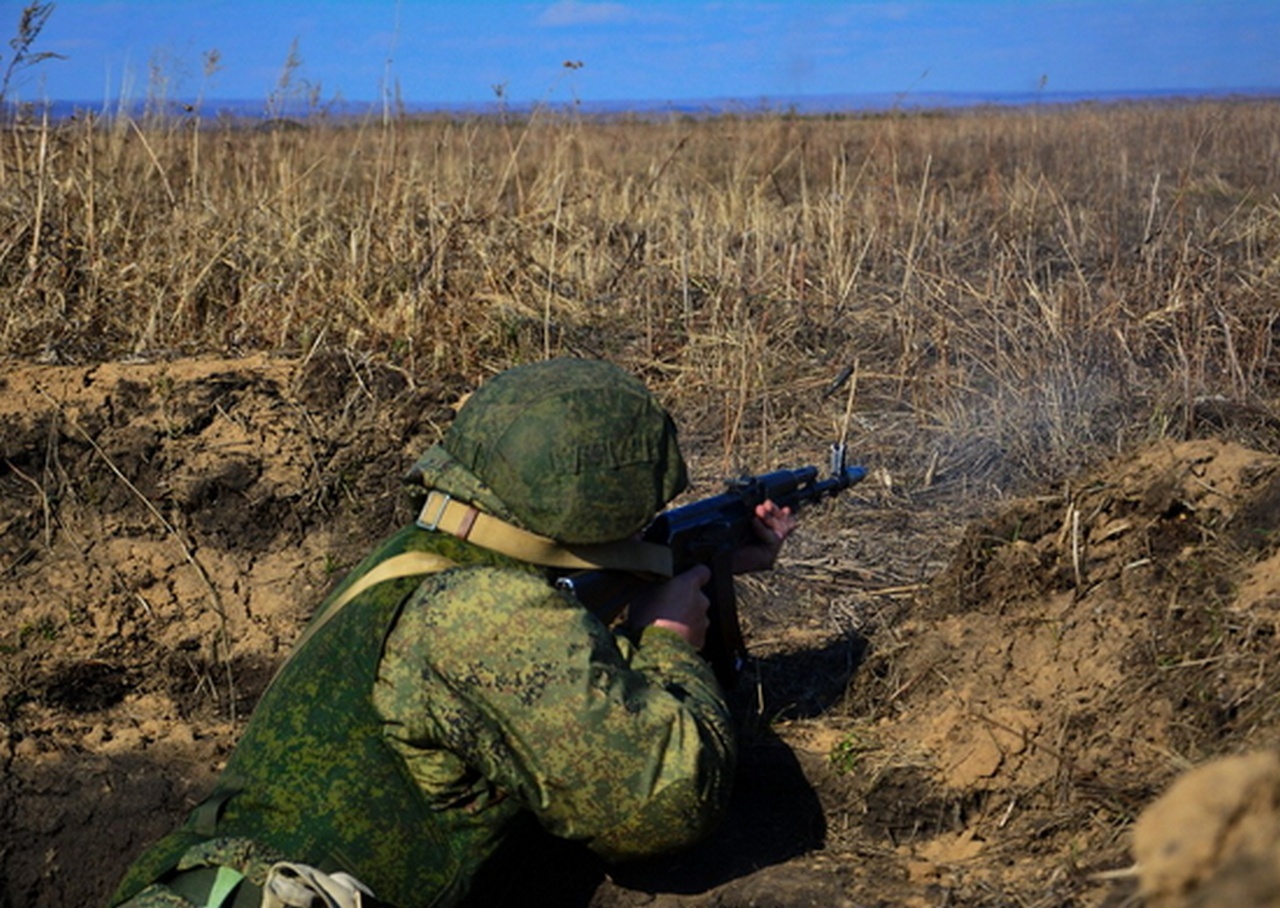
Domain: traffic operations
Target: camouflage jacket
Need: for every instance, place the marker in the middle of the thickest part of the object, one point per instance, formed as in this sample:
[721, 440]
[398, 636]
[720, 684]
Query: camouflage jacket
[402, 739]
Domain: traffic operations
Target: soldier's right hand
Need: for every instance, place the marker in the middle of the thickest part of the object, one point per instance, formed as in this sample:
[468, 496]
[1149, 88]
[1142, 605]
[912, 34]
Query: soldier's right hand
[678, 604]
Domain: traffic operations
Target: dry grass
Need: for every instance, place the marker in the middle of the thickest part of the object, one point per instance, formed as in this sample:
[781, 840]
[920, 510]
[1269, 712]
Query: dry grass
[1020, 291]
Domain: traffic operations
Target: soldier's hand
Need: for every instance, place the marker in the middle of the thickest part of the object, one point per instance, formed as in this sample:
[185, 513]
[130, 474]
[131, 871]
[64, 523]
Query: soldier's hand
[772, 525]
[679, 604]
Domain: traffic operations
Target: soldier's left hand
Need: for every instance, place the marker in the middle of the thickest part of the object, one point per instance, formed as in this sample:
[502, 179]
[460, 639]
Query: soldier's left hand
[772, 526]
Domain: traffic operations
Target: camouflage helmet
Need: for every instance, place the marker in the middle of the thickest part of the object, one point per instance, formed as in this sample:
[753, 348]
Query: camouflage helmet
[577, 450]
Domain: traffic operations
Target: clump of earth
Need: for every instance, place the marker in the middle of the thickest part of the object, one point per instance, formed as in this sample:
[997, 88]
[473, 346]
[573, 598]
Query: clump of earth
[1073, 700]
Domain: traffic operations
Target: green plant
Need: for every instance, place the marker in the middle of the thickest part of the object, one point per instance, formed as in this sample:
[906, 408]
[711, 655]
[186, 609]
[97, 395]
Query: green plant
[847, 754]
[44, 628]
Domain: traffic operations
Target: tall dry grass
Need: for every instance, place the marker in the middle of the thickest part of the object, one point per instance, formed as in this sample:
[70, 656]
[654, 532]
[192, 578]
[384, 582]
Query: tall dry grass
[1017, 291]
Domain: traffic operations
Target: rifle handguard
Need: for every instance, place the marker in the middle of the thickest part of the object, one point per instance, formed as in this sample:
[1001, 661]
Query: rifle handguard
[707, 532]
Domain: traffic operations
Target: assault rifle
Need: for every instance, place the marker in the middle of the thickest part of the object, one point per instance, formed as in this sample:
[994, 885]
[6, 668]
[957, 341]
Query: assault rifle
[708, 532]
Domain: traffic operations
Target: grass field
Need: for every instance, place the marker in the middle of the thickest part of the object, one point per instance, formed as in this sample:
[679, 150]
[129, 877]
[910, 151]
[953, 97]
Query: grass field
[1028, 287]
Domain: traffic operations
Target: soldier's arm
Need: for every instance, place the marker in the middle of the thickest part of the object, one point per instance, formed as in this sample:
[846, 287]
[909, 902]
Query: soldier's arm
[627, 747]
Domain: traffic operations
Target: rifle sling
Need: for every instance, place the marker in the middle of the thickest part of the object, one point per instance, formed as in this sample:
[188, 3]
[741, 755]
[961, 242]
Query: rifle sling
[406, 564]
[442, 512]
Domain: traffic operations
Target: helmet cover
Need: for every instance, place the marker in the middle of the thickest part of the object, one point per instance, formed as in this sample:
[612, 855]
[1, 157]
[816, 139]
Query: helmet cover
[576, 450]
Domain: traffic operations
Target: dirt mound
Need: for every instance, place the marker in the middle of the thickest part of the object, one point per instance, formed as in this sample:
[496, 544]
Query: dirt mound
[1213, 840]
[1080, 651]
[165, 529]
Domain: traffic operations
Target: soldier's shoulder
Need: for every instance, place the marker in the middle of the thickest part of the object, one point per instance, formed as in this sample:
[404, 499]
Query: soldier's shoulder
[474, 613]
[494, 590]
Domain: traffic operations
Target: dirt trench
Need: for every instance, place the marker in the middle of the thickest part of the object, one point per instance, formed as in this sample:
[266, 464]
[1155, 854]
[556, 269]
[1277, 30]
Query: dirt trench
[936, 714]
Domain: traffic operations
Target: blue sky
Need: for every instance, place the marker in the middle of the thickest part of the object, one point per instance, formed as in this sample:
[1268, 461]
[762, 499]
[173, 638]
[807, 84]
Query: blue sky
[439, 51]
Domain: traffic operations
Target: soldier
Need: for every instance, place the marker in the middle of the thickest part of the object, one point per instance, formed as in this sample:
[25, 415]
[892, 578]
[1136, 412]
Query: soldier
[446, 691]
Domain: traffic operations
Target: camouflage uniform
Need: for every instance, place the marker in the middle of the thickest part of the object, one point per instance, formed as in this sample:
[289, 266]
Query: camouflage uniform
[402, 739]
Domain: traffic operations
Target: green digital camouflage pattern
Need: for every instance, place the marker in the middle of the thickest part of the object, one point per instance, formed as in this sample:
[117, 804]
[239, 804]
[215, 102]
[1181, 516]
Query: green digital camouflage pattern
[401, 741]
[527, 697]
[577, 450]
[248, 857]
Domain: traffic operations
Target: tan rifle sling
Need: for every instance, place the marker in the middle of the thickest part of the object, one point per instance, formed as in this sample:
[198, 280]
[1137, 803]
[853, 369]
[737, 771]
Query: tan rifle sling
[441, 512]
[406, 564]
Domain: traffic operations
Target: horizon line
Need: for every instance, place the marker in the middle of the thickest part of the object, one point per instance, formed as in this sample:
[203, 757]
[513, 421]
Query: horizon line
[824, 103]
